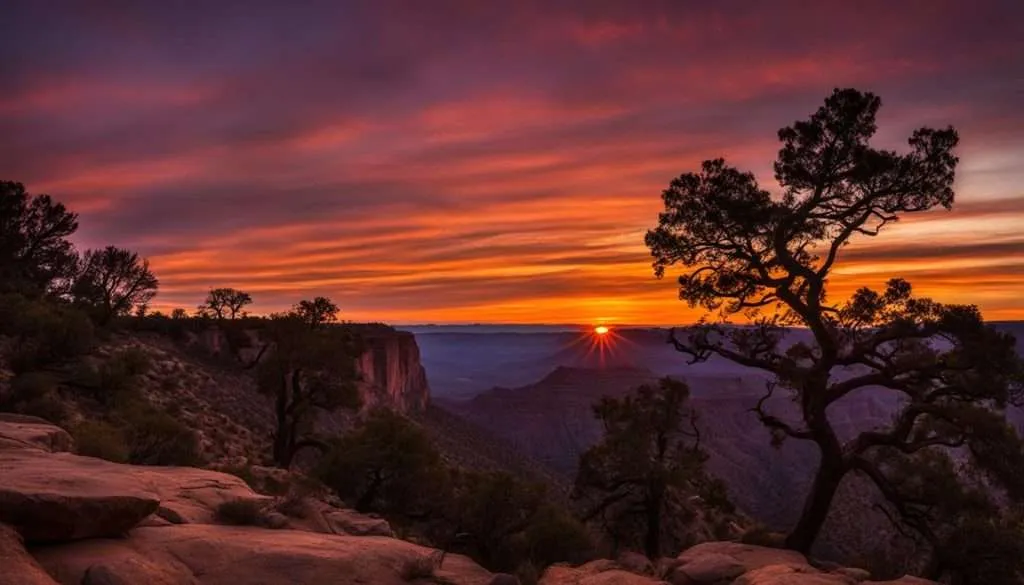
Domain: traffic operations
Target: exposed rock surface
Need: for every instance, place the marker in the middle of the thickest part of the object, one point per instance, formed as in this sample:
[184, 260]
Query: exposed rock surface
[220, 555]
[19, 430]
[392, 373]
[59, 496]
[716, 563]
[17, 567]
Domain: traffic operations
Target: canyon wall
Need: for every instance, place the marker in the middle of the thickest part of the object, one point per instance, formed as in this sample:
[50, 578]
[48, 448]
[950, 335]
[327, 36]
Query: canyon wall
[392, 375]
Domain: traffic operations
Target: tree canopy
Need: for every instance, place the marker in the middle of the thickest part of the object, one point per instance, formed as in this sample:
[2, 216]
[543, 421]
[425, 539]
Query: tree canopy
[225, 303]
[646, 466]
[306, 369]
[770, 259]
[113, 281]
[35, 253]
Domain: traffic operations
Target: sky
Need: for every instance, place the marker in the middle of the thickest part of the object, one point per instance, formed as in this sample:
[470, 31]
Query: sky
[464, 161]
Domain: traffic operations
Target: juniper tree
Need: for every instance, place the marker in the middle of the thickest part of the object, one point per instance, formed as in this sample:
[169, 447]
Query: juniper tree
[112, 281]
[305, 369]
[35, 253]
[770, 258]
[648, 460]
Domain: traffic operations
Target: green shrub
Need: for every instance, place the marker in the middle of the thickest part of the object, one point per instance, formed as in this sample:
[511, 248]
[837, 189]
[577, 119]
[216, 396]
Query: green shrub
[156, 438]
[102, 440]
[241, 512]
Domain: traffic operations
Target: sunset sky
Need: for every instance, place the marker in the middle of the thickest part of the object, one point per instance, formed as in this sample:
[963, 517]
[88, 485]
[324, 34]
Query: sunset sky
[443, 161]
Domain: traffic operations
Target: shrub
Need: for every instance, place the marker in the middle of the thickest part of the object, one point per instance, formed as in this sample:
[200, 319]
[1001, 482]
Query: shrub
[114, 382]
[388, 465]
[35, 393]
[48, 332]
[241, 512]
[293, 505]
[102, 440]
[422, 567]
[243, 472]
[49, 406]
[156, 438]
[759, 535]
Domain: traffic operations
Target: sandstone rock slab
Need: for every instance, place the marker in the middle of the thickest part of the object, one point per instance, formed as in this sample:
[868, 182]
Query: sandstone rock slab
[791, 575]
[750, 557]
[17, 567]
[23, 431]
[594, 573]
[198, 554]
[50, 497]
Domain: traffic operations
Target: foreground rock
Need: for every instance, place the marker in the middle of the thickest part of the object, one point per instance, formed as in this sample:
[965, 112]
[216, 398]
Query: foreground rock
[716, 563]
[600, 572]
[16, 566]
[52, 497]
[23, 431]
[221, 555]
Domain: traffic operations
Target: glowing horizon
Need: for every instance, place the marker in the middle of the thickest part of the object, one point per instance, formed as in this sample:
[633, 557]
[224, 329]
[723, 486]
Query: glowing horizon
[491, 164]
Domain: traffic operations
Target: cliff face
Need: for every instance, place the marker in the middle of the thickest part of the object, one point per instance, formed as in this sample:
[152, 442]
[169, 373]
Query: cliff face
[390, 369]
[392, 375]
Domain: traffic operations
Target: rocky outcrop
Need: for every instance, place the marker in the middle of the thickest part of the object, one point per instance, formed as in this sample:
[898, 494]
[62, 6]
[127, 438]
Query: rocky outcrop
[198, 554]
[19, 430]
[62, 508]
[390, 368]
[716, 563]
[59, 496]
[18, 567]
[392, 374]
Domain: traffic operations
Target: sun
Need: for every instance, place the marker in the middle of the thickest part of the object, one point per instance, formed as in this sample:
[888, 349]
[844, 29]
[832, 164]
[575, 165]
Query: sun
[601, 330]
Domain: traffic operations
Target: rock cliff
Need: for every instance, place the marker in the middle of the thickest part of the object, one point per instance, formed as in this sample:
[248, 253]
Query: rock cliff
[392, 374]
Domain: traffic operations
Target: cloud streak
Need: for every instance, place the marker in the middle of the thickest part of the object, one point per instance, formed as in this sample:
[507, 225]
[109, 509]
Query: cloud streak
[488, 161]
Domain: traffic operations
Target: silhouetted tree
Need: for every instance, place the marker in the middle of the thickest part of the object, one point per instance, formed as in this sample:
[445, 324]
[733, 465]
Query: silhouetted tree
[316, 312]
[225, 302]
[112, 281]
[179, 313]
[771, 258]
[34, 250]
[305, 370]
[650, 454]
[388, 465]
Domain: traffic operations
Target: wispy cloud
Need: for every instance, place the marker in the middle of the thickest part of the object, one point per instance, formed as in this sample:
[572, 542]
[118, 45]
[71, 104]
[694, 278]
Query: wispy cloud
[488, 161]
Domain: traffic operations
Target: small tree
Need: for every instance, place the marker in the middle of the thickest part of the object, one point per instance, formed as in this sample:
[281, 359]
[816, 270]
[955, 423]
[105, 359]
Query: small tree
[316, 312]
[225, 302]
[35, 253]
[770, 259]
[388, 465]
[650, 455]
[308, 369]
[112, 281]
[179, 314]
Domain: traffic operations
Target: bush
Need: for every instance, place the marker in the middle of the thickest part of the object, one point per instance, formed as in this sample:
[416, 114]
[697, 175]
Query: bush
[241, 512]
[759, 535]
[422, 567]
[156, 438]
[48, 406]
[35, 393]
[388, 465]
[115, 381]
[102, 440]
[48, 331]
